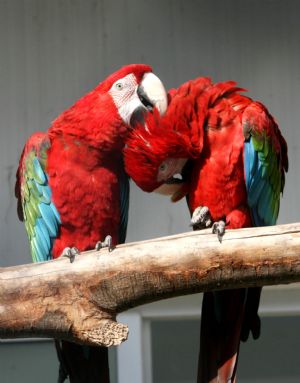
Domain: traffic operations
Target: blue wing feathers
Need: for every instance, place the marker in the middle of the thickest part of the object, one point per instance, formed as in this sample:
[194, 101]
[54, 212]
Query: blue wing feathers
[255, 185]
[55, 212]
[49, 219]
[258, 189]
[42, 220]
[256, 218]
[44, 233]
[263, 181]
[38, 172]
[40, 237]
[46, 198]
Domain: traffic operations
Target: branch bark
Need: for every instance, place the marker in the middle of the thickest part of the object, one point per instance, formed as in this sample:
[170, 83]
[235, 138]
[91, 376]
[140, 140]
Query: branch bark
[79, 301]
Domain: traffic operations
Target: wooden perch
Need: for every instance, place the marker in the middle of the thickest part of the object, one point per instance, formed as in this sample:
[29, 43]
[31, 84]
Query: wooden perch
[79, 301]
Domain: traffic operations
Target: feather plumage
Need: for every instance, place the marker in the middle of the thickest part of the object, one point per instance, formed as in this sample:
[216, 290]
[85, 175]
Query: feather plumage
[237, 164]
[265, 153]
[72, 189]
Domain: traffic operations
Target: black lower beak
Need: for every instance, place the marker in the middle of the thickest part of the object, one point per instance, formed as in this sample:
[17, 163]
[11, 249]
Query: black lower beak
[174, 180]
[144, 98]
[138, 116]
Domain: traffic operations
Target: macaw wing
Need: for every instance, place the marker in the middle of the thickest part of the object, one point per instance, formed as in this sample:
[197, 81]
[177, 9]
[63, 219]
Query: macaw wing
[124, 205]
[35, 206]
[265, 162]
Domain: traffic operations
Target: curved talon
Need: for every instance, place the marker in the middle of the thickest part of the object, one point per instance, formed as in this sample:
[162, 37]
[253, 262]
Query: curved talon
[201, 218]
[219, 229]
[70, 252]
[106, 243]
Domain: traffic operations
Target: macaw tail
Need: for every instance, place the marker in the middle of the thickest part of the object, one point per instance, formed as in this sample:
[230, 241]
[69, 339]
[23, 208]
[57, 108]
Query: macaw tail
[82, 364]
[227, 317]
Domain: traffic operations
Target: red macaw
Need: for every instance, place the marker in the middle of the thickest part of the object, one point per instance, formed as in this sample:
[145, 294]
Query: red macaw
[233, 160]
[72, 189]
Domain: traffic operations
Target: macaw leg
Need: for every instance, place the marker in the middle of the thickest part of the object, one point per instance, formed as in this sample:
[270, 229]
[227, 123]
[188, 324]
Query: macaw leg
[221, 324]
[70, 252]
[106, 243]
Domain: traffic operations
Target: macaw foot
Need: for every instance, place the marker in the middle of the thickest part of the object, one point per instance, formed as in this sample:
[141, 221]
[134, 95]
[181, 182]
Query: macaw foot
[219, 229]
[201, 218]
[106, 243]
[70, 252]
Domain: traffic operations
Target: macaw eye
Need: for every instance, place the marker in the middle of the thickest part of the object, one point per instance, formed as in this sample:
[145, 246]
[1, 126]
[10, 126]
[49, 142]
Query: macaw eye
[163, 167]
[119, 86]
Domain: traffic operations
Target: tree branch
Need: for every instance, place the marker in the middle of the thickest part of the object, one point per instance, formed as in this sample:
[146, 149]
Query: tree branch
[79, 301]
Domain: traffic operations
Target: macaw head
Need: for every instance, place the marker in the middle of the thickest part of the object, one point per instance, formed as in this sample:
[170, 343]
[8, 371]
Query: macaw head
[106, 114]
[155, 153]
[158, 150]
[134, 90]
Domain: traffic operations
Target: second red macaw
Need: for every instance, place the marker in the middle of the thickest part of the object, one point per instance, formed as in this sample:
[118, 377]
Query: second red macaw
[233, 160]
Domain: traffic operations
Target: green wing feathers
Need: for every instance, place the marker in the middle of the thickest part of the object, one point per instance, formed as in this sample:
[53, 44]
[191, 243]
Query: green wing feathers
[35, 206]
[266, 161]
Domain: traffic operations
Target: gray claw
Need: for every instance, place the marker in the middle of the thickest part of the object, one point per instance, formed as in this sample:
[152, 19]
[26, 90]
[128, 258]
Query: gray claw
[70, 252]
[219, 229]
[201, 218]
[106, 243]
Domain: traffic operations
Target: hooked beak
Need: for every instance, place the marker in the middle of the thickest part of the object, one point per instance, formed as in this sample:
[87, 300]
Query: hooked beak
[172, 180]
[152, 94]
[174, 187]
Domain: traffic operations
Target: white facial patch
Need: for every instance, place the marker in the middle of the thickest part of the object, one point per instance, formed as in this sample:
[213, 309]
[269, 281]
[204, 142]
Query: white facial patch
[124, 94]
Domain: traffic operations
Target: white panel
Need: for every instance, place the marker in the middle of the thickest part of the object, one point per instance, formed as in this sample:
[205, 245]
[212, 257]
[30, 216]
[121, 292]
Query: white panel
[134, 355]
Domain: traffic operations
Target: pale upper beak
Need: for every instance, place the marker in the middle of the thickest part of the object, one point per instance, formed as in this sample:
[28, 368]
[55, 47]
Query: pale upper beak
[152, 94]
